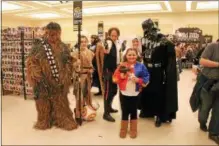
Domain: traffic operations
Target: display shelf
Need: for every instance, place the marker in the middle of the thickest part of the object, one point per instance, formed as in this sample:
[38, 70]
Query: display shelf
[16, 46]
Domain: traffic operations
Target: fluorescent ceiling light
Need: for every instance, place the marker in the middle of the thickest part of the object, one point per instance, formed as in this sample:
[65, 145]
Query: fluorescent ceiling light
[9, 6]
[188, 5]
[45, 15]
[207, 5]
[48, 3]
[127, 8]
[42, 3]
[167, 4]
[52, 2]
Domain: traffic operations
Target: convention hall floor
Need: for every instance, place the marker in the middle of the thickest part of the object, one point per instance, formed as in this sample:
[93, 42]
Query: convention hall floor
[18, 117]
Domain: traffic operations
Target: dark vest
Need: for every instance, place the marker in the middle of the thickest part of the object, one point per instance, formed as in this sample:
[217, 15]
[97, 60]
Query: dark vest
[110, 60]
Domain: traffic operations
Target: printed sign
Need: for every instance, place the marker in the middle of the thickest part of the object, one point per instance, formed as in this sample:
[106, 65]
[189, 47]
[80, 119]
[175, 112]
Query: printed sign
[188, 35]
[77, 14]
[208, 38]
[100, 30]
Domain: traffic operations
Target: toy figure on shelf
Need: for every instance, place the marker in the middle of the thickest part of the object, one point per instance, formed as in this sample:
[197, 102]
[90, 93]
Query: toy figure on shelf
[49, 69]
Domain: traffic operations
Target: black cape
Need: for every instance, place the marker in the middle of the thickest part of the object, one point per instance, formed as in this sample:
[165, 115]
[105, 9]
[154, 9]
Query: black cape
[160, 97]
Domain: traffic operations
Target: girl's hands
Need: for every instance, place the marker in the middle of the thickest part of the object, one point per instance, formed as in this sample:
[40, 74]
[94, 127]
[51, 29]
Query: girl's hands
[135, 79]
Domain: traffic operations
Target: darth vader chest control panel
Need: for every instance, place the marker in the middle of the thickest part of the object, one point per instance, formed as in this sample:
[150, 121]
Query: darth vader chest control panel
[148, 48]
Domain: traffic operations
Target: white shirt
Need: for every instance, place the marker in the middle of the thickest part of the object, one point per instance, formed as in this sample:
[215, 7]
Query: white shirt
[130, 88]
[118, 46]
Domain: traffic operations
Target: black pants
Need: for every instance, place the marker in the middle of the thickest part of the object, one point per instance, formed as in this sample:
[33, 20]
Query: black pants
[96, 81]
[110, 91]
[129, 106]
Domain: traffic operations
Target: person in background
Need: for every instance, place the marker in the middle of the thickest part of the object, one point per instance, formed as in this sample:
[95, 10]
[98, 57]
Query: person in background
[111, 60]
[199, 53]
[179, 56]
[135, 45]
[189, 53]
[130, 76]
[196, 66]
[210, 73]
[93, 42]
[123, 45]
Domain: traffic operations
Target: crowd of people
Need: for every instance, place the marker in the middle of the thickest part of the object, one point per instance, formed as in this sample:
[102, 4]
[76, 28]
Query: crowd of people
[144, 73]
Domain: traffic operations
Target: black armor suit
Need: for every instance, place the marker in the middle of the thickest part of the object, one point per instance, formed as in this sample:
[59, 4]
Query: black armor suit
[160, 98]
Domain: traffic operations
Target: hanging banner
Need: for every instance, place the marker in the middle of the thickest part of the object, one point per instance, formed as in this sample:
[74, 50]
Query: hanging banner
[188, 35]
[208, 38]
[100, 30]
[77, 14]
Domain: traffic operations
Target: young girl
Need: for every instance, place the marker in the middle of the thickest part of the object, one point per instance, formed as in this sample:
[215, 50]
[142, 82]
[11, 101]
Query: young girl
[131, 76]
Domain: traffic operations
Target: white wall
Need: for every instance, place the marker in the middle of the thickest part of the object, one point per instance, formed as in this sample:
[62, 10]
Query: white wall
[130, 24]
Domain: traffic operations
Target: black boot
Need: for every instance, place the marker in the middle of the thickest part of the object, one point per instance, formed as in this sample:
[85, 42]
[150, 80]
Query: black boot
[215, 138]
[106, 115]
[203, 127]
[111, 110]
[158, 121]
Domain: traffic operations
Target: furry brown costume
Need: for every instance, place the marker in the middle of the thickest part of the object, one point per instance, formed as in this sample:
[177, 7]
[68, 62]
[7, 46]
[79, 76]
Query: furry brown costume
[51, 92]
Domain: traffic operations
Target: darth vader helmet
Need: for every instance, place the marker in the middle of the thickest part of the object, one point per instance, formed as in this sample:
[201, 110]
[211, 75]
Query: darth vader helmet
[149, 26]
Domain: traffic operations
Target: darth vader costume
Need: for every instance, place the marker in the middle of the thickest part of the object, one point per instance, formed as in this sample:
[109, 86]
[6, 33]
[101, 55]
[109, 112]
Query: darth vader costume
[160, 97]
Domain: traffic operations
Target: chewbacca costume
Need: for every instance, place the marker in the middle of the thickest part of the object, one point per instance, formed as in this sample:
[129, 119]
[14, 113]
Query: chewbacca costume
[83, 69]
[49, 71]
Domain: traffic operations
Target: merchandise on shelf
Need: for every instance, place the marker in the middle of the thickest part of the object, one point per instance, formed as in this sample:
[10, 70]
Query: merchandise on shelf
[12, 76]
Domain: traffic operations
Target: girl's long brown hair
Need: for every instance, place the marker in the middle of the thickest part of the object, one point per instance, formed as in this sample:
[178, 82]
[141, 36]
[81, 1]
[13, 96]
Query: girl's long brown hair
[129, 49]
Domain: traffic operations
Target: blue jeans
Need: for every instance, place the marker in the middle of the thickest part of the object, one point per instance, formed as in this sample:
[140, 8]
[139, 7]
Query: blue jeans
[209, 102]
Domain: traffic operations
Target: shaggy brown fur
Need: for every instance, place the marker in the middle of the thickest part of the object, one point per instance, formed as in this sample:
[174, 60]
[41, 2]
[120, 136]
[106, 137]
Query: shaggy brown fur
[44, 119]
[52, 104]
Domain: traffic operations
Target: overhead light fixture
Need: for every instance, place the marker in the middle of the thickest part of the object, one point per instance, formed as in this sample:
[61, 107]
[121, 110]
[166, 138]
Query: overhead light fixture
[167, 4]
[53, 2]
[9, 6]
[126, 8]
[207, 5]
[50, 3]
[188, 5]
[45, 15]
[42, 3]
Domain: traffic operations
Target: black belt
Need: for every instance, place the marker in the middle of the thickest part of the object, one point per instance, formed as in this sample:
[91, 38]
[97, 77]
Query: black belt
[153, 65]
